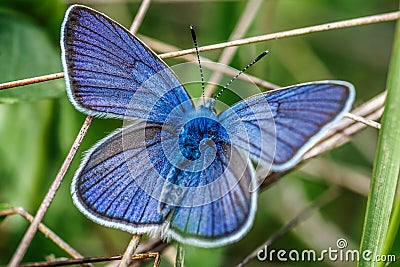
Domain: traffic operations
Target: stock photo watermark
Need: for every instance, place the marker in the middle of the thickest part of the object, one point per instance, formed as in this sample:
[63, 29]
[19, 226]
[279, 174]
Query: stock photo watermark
[338, 253]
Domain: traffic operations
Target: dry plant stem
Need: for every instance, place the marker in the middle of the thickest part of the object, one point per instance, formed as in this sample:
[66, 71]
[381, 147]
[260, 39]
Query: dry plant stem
[339, 134]
[317, 28]
[300, 31]
[151, 244]
[154, 245]
[346, 128]
[45, 230]
[367, 122]
[159, 46]
[27, 81]
[139, 16]
[322, 200]
[180, 256]
[227, 54]
[133, 244]
[205, 62]
[320, 170]
[143, 256]
[30, 233]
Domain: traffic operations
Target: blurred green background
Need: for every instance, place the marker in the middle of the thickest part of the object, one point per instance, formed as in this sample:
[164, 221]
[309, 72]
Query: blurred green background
[38, 124]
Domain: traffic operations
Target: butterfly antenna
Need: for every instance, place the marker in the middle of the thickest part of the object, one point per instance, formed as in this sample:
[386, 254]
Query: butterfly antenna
[198, 60]
[260, 56]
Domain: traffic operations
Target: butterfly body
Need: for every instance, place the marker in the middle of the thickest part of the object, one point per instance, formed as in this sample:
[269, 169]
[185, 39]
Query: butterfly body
[202, 130]
[175, 170]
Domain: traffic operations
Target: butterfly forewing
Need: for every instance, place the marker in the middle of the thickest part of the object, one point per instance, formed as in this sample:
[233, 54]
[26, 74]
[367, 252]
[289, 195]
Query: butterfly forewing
[107, 68]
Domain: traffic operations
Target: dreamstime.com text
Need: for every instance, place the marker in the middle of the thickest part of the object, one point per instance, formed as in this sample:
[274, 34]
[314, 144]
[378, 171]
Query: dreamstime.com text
[340, 253]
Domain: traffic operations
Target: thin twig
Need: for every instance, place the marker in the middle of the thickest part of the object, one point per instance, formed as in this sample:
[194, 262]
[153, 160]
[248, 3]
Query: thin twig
[322, 200]
[30, 233]
[180, 256]
[142, 256]
[133, 244]
[137, 21]
[317, 28]
[206, 62]
[45, 230]
[153, 245]
[33, 80]
[295, 32]
[367, 122]
[346, 128]
[227, 54]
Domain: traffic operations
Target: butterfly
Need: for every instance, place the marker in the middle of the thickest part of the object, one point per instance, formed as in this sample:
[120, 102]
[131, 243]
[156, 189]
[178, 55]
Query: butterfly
[176, 170]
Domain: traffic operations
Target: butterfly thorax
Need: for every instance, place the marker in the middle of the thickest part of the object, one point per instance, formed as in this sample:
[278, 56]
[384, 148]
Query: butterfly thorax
[201, 132]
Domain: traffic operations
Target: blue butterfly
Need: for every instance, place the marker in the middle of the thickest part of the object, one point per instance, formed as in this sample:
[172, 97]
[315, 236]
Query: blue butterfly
[178, 171]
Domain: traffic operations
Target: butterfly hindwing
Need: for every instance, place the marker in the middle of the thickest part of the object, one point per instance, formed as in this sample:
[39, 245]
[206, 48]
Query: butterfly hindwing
[121, 184]
[230, 212]
[111, 73]
[109, 191]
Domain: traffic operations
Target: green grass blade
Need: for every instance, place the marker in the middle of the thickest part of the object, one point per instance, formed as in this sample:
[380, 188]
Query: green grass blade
[392, 231]
[386, 168]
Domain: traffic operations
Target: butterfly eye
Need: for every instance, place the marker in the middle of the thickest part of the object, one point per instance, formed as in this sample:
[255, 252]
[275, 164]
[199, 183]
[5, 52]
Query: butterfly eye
[210, 133]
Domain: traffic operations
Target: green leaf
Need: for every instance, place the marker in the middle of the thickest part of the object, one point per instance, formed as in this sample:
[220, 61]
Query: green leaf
[26, 51]
[48, 14]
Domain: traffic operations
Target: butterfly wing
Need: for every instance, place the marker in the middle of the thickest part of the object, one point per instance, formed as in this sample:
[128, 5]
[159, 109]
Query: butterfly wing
[122, 180]
[110, 192]
[111, 73]
[301, 114]
[230, 212]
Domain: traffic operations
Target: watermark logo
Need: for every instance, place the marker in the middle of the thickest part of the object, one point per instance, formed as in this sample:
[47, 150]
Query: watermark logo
[191, 151]
[338, 253]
